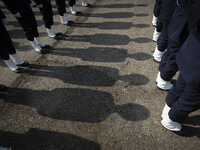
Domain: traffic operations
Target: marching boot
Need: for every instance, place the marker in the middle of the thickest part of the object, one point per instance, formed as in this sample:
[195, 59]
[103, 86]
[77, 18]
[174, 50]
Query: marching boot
[64, 19]
[157, 55]
[154, 20]
[51, 33]
[18, 61]
[12, 65]
[169, 124]
[36, 46]
[156, 34]
[165, 112]
[55, 31]
[74, 11]
[162, 84]
[85, 3]
[40, 43]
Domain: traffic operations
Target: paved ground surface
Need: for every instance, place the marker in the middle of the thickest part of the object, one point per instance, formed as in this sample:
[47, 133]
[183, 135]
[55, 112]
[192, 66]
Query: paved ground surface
[95, 89]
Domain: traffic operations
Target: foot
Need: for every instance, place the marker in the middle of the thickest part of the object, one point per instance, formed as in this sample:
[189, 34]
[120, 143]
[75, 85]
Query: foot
[162, 84]
[157, 55]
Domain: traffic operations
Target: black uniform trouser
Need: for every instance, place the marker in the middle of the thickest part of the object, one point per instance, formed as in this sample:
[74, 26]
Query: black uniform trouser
[47, 13]
[177, 33]
[157, 8]
[28, 22]
[61, 5]
[6, 45]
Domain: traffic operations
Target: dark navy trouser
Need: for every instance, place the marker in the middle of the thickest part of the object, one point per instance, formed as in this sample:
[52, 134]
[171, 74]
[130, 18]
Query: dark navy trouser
[28, 22]
[61, 5]
[46, 12]
[157, 8]
[183, 99]
[6, 45]
[177, 34]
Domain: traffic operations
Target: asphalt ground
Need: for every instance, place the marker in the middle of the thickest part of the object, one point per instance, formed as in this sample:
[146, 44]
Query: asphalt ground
[94, 89]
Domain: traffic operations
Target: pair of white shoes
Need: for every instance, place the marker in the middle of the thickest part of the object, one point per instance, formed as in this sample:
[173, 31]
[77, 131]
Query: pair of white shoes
[162, 84]
[167, 122]
[38, 44]
[13, 62]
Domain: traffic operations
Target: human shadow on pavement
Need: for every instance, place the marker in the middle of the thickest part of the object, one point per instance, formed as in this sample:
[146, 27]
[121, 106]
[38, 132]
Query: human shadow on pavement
[111, 25]
[107, 39]
[36, 139]
[74, 104]
[188, 131]
[114, 15]
[100, 54]
[86, 75]
[121, 6]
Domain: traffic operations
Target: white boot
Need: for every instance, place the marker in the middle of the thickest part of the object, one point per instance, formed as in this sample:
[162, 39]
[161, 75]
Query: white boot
[157, 55]
[162, 84]
[154, 20]
[64, 19]
[16, 59]
[54, 29]
[36, 46]
[11, 65]
[84, 3]
[156, 34]
[51, 33]
[73, 10]
[40, 43]
[165, 112]
[169, 124]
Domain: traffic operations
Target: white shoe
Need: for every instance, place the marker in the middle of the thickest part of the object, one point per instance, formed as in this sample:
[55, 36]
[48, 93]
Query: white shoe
[36, 46]
[165, 112]
[39, 42]
[51, 33]
[16, 59]
[85, 3]
[156, 34]
[157, 55]
[64, 19]
[54, 29]
[73, 10]
[11, 65]
[154, 20]
[162, 84]
[170, 125]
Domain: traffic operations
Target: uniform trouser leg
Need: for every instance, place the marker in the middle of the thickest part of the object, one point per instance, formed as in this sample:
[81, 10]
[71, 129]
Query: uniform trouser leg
[163, 38]
[61, 5]
[6, 44]
[28, 23]
[183, 99]
[177, 34]
[47, 13]
[71, 2]
[157, 8]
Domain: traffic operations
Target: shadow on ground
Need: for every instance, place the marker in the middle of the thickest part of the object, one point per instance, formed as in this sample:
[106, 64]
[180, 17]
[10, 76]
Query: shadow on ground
[36, 139]
[107, 39]
[111, 25]
[71, 104]
[100, 54]
[121, 6]
[86, 75]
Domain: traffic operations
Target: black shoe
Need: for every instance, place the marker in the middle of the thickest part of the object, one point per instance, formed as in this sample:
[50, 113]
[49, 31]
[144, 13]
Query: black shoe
[70, 23]
[25, 64]
[88, 5]
[78, 13]
[2, 87]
